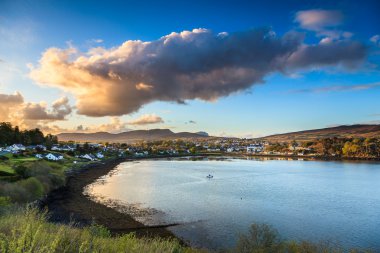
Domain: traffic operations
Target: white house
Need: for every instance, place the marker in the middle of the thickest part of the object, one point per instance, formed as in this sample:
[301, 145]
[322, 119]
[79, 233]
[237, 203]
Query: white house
[16, 148]
[53, 157]
[39, 156]
[255, 148]
[99, 155]
[229, 150]
[88, 157]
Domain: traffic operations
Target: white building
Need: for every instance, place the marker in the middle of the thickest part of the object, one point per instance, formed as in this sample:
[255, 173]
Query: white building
[255, 148]
[54, 157]
[99, 155]
[39, 156]
[88, 157]
[16, 148]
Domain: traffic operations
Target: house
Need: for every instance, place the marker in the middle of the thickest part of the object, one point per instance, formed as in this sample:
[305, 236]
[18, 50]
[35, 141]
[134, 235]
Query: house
[89, 157]
[99, 155]
[53, 157]
[16, 148]
[40, 147]
[56, 148]
[229, 150]
[255, 148]
[39, 156]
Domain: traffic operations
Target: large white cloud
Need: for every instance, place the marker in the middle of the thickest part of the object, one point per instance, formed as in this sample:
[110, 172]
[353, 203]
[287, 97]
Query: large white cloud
[197, 64]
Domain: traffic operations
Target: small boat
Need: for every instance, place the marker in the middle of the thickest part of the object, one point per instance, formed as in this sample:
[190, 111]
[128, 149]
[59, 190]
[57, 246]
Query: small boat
[210, 176]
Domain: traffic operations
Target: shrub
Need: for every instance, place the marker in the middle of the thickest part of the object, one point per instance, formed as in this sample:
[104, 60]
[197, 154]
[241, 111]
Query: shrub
[261, 238]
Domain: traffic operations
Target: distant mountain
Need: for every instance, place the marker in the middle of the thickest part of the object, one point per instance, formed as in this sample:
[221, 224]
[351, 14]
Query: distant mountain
[349, 131]
[130, 136]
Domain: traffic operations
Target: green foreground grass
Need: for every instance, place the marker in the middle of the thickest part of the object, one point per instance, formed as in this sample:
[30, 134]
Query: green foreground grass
[28, 231]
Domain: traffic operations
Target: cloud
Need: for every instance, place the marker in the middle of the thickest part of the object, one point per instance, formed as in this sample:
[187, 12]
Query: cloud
[338, 88]
[115, 126]
[14, 109]
[345, 53]
[14, 99]
[38, 111]
[324, 23]
[318, 20]
[146, 119]
[9, 107]
[375, 40]
[197, 64]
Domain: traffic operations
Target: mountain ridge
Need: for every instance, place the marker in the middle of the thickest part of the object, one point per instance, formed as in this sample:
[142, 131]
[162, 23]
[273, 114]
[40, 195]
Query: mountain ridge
[129, 136]
[342, 131]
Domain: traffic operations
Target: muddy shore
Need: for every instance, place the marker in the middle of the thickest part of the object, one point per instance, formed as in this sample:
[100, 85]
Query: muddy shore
[68, 204]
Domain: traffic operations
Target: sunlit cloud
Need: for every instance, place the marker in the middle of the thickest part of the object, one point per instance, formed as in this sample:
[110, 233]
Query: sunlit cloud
[197, 64]
[14, 109]
[146, 119]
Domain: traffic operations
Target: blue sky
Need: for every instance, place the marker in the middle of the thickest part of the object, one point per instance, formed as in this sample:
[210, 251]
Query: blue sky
[297, 98]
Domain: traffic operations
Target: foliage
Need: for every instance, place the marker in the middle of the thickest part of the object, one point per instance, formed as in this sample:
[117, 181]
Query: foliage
[338, 147]
[10, 135]
[262, 238]
[37, 179]
[28, 231]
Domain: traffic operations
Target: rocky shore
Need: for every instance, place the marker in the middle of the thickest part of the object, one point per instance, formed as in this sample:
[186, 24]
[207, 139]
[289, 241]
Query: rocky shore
[68, 204]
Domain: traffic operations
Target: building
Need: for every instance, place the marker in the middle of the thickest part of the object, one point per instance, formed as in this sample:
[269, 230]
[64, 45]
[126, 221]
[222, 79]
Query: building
[255, 148]
[53, 157]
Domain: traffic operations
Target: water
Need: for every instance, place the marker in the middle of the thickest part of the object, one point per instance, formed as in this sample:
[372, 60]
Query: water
[303, 200]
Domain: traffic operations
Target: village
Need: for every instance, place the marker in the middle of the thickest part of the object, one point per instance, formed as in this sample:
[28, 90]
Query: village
[98, 151]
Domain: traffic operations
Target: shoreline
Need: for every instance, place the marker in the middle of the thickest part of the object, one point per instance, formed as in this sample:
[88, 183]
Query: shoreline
[69, 205]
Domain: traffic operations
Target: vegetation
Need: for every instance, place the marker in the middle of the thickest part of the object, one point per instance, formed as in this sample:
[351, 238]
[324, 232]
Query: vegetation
[262, 238]
[10, 135]
[34, 180]
[337, 147]
[28, 231]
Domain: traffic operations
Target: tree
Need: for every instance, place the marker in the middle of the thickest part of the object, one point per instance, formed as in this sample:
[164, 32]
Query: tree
[294, 145]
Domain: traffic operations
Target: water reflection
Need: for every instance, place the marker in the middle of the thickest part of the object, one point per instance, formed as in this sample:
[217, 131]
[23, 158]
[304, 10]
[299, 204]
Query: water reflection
[311, 200]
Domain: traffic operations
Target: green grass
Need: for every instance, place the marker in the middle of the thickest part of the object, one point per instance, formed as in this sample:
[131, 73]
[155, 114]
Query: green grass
[28, 231]
[6, 168]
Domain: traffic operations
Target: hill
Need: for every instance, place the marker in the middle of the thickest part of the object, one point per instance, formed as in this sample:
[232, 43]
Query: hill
[130, 136]
[347, 131]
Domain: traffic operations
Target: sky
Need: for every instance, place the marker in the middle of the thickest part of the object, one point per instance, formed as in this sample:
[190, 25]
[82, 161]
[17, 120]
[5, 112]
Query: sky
[230, 68]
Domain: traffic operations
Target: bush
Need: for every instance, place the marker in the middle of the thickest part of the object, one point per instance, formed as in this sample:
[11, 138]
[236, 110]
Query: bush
[33, 186]
[5, 201]
[261, 238]
[22, 171]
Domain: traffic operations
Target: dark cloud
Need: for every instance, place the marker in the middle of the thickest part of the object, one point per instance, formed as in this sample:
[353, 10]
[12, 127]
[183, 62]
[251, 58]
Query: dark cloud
[196, 64]
[346, 53]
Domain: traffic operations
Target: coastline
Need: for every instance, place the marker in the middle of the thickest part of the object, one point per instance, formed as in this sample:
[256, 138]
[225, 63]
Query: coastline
[69, 205]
